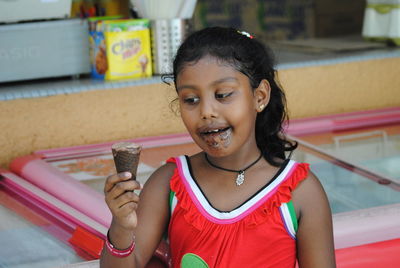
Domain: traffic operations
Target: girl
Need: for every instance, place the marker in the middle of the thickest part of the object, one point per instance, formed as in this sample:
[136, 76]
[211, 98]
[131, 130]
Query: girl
[240, 202]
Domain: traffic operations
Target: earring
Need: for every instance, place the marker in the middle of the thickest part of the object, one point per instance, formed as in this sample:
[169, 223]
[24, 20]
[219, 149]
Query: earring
[262, 106]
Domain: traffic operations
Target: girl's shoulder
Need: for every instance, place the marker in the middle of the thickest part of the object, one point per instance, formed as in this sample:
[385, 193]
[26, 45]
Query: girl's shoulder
[159, 179]
[309, 194]
[164, 173]
[309, 185]
[314, 217]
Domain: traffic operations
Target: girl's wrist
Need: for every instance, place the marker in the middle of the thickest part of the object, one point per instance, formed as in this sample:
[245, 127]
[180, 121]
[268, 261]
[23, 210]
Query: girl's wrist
[117, 251]
[120, 237]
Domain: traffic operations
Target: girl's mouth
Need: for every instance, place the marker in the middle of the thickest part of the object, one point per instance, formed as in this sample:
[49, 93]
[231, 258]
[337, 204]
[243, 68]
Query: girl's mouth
[215, 131]
[217, 137]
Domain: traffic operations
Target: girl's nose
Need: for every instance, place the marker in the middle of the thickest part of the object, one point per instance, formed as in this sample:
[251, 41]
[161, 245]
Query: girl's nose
[208, 110]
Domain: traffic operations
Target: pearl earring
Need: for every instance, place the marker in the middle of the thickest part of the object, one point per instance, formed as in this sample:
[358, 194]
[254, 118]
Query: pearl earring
[261, 107]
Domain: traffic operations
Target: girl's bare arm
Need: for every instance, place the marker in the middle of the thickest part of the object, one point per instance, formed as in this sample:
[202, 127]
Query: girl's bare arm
[151, 215]
[315, 245]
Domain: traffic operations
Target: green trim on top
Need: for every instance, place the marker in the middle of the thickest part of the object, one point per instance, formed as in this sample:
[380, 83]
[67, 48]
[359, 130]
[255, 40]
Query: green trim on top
[293, 216]
[171, 199]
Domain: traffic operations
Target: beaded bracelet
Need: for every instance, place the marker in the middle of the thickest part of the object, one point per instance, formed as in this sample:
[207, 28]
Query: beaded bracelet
[117, 252]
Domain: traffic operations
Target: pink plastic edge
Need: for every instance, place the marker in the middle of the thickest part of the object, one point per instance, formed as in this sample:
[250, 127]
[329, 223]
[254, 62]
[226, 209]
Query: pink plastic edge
[146, 142]
[65, 188]
[366, 226]
[337, 122]
[43, 201]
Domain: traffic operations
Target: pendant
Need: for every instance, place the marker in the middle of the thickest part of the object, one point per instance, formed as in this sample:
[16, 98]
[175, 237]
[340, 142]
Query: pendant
[240, 178]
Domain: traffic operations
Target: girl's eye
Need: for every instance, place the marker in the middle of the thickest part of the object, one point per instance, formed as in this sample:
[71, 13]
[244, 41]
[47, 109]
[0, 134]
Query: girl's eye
[191, 100]
[223, 95]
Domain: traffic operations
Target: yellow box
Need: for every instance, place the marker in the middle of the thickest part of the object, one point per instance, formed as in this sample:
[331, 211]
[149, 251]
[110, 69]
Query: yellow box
[128, 49]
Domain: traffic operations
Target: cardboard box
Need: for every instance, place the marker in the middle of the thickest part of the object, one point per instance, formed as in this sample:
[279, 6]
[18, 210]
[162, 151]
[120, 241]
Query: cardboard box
[97, 46]
[128, 49]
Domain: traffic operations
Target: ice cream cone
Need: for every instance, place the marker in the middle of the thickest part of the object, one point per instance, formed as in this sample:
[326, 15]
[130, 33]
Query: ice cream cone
[126, 157]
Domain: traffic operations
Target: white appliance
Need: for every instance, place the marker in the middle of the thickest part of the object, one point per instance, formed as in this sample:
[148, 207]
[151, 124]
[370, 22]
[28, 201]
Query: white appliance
[23, 10]
[382, 20]
[44, 49]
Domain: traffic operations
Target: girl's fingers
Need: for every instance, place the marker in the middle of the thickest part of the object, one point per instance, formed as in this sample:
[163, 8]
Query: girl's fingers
[120, 196]
[127, 209]
[113, 179]
[122, 191]
[118, 184]
[124, 205]
[121, 188]
[125, 198]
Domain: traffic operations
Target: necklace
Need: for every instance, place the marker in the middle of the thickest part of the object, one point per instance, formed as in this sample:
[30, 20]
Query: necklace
[240, 177]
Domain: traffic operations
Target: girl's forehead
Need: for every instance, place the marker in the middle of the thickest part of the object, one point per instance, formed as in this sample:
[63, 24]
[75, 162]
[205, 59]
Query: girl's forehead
[208, 65]
[209, 73]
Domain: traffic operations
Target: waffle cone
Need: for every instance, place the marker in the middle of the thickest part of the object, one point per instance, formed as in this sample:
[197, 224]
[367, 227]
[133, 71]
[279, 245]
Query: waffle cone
[126, 157]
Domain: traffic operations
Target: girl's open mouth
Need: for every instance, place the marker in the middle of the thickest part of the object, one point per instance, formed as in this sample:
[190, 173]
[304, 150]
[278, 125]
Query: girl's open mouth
[215, 132]
[217, 137]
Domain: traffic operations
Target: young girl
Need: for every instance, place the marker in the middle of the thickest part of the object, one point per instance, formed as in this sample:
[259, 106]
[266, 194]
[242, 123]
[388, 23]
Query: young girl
[240, 202]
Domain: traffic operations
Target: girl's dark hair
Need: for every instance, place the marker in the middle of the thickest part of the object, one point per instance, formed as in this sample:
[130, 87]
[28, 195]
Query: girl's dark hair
[250, 57]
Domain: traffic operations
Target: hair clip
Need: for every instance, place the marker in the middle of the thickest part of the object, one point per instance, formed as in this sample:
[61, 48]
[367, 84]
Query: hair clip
[246, 34]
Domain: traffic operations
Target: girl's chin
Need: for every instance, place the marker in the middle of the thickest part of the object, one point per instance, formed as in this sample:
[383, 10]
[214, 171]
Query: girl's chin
[215, 150]
[210, 148]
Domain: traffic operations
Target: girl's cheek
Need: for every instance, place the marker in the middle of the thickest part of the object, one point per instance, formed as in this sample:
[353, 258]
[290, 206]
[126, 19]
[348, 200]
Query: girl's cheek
[188, 118]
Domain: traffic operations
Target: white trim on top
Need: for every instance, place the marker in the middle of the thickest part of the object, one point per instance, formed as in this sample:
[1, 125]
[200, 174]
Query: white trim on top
[243, 208]
[287, 219]
[174, 202]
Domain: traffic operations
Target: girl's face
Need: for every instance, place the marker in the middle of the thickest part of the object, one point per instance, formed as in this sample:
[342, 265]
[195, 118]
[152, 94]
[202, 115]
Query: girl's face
[218, 106]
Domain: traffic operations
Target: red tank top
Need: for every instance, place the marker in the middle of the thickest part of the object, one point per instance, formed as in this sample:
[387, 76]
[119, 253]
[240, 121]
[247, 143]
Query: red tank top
[259, 233]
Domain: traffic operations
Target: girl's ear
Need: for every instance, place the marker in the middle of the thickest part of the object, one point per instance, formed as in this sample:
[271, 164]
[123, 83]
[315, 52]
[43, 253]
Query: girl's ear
[261, 95]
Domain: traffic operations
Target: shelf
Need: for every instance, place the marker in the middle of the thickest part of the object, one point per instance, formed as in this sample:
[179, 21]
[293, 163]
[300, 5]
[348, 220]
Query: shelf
[289, 55]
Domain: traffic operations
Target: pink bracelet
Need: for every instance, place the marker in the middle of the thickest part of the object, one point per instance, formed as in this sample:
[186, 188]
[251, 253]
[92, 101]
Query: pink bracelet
[117, 252]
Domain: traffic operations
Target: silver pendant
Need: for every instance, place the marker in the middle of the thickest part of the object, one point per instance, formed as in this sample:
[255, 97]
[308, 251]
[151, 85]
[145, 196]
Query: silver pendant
[240, 178]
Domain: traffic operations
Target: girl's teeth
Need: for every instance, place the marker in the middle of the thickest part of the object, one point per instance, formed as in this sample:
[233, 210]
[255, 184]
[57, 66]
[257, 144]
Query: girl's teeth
[223, 139]
[216, 130]
[213, 131]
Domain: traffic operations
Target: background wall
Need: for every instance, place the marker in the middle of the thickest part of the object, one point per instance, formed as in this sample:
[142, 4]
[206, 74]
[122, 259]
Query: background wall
[283, 19]
[345, 87]
[113, 114]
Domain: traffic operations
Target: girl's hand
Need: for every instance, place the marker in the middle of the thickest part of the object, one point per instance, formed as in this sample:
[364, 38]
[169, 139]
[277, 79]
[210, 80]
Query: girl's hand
[142, 223]
[122, 200]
